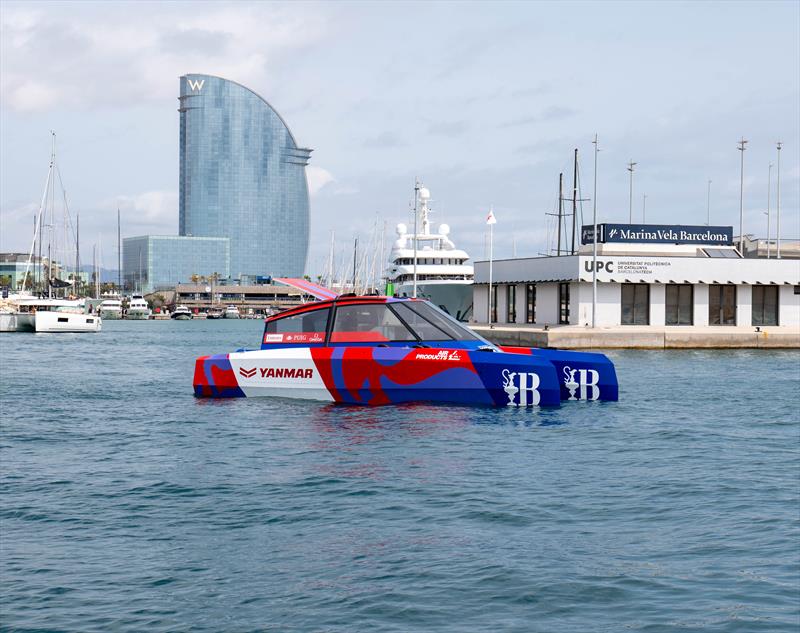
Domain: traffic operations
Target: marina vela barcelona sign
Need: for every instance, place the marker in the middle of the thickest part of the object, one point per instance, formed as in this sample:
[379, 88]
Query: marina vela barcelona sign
[658, 234]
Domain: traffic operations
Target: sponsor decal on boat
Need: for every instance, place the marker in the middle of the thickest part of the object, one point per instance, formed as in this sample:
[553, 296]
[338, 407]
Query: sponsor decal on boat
[586, 381]
[522, 384]
[296, 337]
[440, 355]
[276, 372]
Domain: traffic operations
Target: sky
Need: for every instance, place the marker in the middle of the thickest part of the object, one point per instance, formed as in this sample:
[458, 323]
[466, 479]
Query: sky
[484, 102]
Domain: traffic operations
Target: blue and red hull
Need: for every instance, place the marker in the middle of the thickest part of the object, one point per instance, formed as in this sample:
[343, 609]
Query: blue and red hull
[370, 375]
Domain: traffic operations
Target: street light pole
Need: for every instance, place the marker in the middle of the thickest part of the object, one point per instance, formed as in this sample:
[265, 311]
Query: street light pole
[778, 211]
[631, 165]
[594, 238]
[708, 205]
[741, 147]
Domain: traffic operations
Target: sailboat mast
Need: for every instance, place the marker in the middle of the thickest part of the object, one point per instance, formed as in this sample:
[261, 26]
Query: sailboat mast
[574, 198]
[77, 250]
[119, 255]
[560, 209]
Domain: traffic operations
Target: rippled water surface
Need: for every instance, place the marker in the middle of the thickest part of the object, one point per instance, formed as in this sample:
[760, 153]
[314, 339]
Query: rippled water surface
[127, 504]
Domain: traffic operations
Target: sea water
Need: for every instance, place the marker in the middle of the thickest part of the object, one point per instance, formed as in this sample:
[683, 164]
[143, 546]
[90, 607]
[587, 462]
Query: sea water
[127, 504]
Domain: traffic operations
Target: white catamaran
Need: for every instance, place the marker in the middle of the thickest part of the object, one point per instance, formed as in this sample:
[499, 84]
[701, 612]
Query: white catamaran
[27, 312]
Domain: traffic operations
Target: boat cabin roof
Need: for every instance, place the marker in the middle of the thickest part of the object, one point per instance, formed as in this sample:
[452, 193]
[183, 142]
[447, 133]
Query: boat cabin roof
[365, 320]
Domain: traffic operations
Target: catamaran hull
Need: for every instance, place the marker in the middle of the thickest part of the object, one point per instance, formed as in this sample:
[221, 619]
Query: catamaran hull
[378, 376]
[17, 322]
[67, 322]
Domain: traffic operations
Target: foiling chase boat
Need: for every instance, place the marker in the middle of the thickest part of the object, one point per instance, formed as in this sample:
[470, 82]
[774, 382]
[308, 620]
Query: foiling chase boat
[384, 350]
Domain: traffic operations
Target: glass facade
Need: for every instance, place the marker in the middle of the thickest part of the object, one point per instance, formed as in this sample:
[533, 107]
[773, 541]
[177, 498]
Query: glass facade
[242, 176]
[158, 262]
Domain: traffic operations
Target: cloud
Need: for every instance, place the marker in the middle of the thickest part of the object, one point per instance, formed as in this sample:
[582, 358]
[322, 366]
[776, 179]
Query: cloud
[155, 211]
[384, 140]
[82, 58]
[449, 129]
[552, 113]
[318, 178]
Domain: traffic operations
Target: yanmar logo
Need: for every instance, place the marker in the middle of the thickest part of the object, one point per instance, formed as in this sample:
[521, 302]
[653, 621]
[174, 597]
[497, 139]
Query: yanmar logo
[276, 372]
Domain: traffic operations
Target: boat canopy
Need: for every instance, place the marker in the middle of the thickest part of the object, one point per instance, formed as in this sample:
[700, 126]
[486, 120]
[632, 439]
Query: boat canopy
[366, 320]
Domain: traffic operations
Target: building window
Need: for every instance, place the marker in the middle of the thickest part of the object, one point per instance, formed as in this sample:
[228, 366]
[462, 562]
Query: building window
[765, 305]
[722, 304]
[635, 304]
[680, 304]
[530, 303]
[493, 309]
[511, 304]
[563, 304]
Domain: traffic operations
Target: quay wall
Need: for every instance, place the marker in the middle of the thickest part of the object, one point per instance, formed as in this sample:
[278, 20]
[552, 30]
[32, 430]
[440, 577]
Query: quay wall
[642, 338]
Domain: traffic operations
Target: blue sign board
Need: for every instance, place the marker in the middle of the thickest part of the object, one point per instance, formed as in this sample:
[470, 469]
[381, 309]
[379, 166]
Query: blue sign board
[658, 234]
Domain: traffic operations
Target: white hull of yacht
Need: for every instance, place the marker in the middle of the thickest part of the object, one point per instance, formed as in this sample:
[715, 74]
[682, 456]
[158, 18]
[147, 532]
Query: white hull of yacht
[453, 298]
[17, 322]
[67, 322]
[138, 315]
[110, 315]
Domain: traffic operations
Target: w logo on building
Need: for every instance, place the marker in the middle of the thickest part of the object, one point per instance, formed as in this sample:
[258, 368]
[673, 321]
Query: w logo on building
[195, 84]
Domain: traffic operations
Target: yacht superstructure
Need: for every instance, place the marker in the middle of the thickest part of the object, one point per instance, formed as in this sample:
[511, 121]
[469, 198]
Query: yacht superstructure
[443, 275]
[138, 309]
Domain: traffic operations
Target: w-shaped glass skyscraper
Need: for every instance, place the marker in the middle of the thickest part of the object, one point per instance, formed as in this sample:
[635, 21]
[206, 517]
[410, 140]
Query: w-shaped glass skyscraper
[242, 176]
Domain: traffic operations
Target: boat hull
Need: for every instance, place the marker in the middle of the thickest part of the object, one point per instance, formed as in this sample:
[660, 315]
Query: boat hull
[182, 317]
[379, 376]
[67, 322]
[453, 298]
[110, 315]
[138, 315]
[17, 322]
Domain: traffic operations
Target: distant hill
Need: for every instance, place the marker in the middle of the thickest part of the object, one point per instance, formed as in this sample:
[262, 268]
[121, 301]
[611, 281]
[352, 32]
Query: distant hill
[106, 274]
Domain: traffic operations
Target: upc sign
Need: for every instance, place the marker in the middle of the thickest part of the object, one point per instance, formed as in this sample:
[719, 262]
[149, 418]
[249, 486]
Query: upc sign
[658, 234]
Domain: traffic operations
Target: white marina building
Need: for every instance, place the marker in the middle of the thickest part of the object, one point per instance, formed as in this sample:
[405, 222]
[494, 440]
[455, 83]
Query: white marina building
[647, 275]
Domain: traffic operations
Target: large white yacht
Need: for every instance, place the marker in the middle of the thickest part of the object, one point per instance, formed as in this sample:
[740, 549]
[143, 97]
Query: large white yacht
[110, 309]
[443, 275]
[137, 308]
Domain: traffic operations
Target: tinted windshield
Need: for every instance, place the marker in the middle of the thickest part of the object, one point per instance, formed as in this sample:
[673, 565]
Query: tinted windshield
[368, 323]
[430, 324]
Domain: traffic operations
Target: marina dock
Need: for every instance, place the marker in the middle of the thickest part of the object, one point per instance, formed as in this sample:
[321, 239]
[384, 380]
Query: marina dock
[641, 337]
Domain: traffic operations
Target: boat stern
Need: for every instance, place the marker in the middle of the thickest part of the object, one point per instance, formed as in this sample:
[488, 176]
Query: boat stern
[214, 378]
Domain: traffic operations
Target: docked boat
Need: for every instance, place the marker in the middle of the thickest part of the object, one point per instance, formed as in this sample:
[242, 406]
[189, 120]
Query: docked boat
[182, 313]
[231, 312]
[214, 313]
[138, 309]
[443, 275]
[110, 309]
[384, 350]
[32, 314]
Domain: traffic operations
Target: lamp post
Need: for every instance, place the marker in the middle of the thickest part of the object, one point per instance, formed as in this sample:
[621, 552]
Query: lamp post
[778, 203]
[708, 205]
[631, 165]
[594, 238]
[741, 147]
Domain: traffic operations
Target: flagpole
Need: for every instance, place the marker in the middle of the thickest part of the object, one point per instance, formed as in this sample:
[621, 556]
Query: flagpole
[491, 244]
